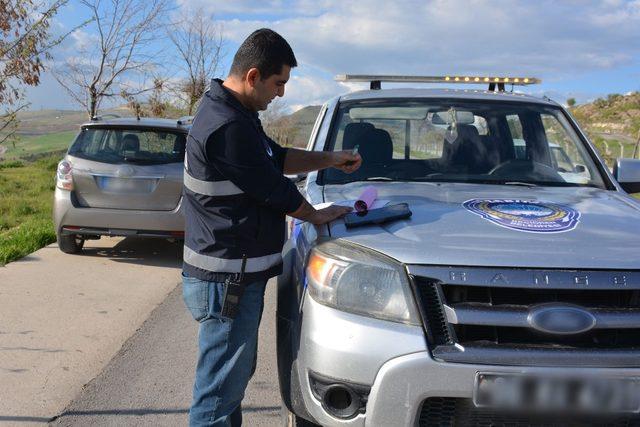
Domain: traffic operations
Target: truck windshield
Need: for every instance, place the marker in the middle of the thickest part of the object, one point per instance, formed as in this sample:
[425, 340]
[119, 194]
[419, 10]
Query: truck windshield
[129, 145]
[471, 141]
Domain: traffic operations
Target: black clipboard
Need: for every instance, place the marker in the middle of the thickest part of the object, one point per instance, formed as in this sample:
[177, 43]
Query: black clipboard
[377, 216]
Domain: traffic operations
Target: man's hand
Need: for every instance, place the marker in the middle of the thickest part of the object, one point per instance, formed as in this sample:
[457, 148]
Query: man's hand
[346, 161]
[328, 214]
[306, 212]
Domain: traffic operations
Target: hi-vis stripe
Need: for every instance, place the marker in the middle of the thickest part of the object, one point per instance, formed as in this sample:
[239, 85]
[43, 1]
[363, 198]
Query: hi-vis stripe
[209, 188]
[210, 263]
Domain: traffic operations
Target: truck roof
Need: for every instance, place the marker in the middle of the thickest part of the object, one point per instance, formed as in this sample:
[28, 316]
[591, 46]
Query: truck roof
[462, 94]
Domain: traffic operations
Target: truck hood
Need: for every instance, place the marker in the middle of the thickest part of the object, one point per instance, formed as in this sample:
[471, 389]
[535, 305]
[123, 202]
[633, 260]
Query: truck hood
[445, 231]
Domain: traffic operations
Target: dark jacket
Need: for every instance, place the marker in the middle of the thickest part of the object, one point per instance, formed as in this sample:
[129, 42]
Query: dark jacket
[235, 193]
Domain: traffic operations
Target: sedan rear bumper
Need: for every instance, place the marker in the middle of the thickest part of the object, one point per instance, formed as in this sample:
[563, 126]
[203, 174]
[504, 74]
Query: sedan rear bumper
[70, 218]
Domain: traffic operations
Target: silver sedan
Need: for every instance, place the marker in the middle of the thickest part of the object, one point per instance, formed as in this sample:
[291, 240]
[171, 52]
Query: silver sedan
[121, 177]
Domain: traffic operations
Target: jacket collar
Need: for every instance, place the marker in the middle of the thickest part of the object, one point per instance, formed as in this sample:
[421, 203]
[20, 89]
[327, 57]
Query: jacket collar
[216, 90]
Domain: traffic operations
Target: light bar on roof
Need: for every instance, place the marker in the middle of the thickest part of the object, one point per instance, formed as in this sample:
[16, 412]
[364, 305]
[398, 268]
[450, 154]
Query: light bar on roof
[375, 80]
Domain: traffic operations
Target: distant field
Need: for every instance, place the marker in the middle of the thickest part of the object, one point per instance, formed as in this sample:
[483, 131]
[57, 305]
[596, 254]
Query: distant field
[27, 146]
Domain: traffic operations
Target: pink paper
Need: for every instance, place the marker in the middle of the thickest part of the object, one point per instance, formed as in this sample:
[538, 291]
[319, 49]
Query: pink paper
[366, 199]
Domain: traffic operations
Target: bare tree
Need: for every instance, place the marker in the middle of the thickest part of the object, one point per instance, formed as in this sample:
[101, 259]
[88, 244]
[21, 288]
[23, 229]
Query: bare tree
[25, 41]
[157, 106]
[125, 30]
[200, 45]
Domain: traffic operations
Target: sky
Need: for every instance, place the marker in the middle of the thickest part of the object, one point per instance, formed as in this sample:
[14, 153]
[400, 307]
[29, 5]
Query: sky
[580, 49]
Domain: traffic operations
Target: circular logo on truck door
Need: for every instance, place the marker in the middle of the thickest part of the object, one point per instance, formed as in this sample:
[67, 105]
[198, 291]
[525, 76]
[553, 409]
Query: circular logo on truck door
[524, 215]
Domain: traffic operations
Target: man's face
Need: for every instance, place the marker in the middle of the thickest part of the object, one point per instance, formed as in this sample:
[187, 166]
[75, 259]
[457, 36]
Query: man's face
[265, 90]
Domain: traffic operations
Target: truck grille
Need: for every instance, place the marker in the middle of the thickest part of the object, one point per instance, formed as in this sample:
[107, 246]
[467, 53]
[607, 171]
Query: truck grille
[480, 322]
[442, 411]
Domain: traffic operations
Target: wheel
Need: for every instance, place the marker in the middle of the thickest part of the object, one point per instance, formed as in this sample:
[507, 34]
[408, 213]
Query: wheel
[70, 243]
[289, 419]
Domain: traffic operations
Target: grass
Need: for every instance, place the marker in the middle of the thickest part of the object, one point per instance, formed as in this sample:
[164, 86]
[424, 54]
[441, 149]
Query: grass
[26, 199]
[28, 146]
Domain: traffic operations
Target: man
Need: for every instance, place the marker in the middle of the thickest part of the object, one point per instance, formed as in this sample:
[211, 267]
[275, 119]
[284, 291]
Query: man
[235, 200]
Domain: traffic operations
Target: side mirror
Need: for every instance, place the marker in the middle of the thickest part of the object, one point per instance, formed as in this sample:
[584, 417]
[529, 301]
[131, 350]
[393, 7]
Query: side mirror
[627, 173]
[579, 168]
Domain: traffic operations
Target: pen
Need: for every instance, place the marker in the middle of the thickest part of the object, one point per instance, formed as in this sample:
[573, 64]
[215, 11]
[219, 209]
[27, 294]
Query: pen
[353, 153]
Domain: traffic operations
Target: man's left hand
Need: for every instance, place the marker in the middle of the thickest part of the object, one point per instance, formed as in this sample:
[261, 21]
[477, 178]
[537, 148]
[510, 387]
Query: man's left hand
[346, 161]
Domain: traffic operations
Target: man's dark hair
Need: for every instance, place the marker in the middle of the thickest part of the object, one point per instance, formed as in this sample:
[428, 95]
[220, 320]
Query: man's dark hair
[265, 50]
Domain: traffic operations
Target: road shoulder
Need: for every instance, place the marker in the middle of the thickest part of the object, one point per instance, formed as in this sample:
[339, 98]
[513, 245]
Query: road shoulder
[64, 317]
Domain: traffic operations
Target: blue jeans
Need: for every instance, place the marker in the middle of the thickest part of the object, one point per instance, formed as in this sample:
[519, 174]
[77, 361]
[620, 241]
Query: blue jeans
[227, 350]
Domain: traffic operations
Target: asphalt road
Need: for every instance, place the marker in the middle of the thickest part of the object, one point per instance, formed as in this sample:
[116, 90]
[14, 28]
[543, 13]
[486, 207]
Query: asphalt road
[148, 383]
[64, 317]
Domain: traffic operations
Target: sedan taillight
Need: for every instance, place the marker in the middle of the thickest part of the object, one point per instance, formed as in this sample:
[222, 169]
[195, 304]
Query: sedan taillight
[64, 179]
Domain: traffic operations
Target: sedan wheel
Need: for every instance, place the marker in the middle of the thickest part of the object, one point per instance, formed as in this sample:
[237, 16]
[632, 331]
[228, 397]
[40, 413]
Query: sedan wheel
[70, 243]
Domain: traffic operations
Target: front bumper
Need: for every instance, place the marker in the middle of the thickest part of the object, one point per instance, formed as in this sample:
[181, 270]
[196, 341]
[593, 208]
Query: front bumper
[394, 360]
[114, 221]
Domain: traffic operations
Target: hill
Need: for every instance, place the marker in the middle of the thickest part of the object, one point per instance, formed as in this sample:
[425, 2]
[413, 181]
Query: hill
[43, 122]
[302, 122]
[612, 123]
[618, 114]
[49, 131]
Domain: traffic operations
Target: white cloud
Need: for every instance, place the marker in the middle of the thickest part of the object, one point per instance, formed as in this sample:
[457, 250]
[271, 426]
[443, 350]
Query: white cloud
[447, 36]
[307, 90]
[556, 41]
[82, 40]
[264, 7]
[548, 39]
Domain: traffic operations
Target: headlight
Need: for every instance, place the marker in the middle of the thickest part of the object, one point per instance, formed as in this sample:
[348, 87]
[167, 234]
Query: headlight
[359, 281]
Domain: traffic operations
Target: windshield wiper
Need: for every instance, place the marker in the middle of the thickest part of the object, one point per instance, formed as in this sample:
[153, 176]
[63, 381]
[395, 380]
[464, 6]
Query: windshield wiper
[371, 178]
[377, 178]
[520, 183]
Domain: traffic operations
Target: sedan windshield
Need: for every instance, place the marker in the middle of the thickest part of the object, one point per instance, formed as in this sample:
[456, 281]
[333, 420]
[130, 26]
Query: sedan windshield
[471, 141]
[129, 145]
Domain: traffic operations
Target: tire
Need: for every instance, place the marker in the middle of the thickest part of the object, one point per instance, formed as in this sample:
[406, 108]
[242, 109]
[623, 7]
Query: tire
[289, 419]
[70, 243]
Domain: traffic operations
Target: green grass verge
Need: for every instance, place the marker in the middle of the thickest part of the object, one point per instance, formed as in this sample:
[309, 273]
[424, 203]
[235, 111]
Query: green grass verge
[28, 146]
[28, 237]
[26, 200]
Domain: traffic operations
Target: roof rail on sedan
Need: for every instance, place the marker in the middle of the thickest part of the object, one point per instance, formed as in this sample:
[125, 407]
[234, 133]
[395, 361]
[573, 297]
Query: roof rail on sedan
[104, 116]
[493, 81]
[185, 120]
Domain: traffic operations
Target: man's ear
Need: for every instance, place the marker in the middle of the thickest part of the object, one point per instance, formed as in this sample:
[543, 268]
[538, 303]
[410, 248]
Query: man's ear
[253, 75]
